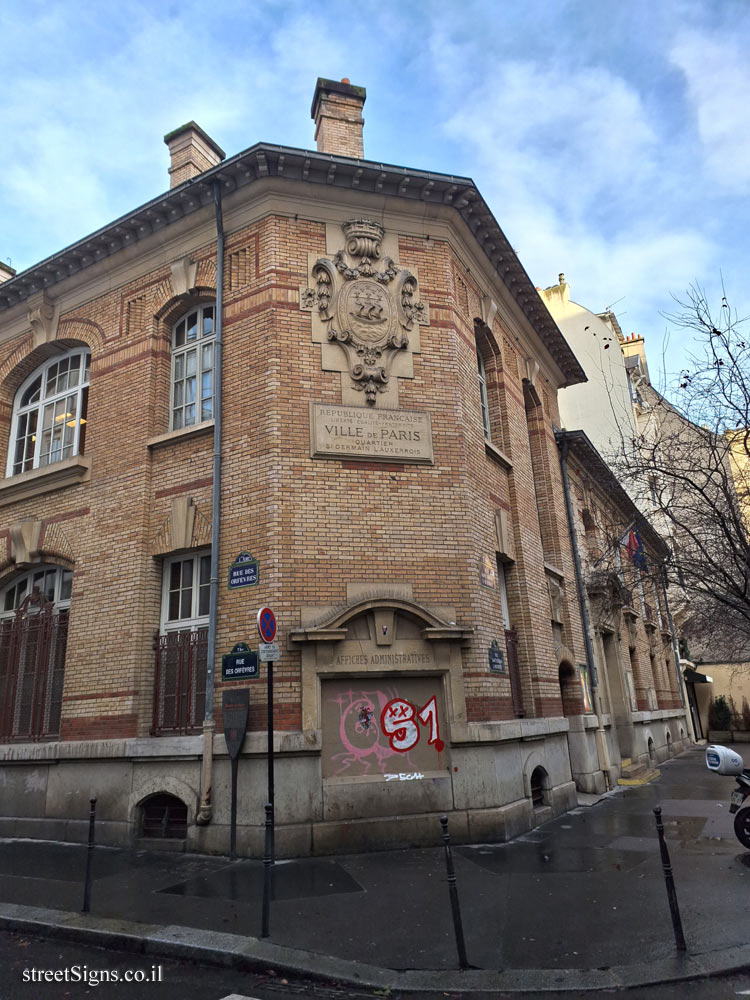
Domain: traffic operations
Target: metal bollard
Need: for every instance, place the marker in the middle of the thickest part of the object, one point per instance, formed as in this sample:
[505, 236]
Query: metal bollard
[666, 864]
[453, 891]
[267, 871]
[89, 858]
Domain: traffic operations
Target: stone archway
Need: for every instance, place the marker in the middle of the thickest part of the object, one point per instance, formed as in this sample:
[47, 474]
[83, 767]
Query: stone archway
[383, 696]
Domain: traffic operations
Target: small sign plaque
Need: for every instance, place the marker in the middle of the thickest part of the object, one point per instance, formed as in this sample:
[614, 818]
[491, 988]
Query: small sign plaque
[244, 572]
[497, 658]
[235, 707]
[268, 652]
[240, 663]
[488, 572]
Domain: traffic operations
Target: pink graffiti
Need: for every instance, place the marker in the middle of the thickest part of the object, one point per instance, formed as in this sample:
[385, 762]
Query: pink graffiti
[366, 748]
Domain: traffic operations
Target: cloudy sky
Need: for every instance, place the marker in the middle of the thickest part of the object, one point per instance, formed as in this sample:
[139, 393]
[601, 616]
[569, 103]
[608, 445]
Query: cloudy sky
[611, 139]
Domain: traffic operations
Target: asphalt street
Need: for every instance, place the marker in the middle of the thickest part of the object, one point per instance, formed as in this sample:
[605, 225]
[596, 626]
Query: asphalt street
[581, 896]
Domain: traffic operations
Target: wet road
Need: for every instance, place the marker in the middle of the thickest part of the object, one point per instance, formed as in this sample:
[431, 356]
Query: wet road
[583, 891]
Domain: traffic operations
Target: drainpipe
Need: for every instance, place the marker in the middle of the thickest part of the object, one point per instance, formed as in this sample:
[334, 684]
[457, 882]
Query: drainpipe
[601, 737]
[676, 654]
[205, 810]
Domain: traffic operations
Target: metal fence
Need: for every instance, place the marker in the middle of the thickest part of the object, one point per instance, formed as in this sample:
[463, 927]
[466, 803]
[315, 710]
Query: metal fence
[180, 682]
[32, 671]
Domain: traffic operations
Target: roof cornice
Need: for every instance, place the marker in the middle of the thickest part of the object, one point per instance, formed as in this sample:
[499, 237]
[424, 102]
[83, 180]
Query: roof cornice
[285, 163]
[581, 447]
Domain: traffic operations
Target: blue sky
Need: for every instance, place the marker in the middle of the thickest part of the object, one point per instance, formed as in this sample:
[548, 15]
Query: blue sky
[611, 139]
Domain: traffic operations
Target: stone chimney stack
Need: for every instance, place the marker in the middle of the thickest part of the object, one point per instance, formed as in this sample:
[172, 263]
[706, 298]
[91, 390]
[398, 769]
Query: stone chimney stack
[337, 112]
[191, 152]
[6, 272]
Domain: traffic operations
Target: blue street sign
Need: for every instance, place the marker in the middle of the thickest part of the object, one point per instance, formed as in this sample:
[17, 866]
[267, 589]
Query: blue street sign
[244, 572]
[240, 663]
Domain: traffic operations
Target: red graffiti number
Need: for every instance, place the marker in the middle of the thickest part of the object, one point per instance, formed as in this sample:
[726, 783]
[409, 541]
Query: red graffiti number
[428, 714]
[397, 720]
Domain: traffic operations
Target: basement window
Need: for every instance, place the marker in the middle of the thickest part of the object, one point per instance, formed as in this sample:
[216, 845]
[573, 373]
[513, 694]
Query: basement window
[538, 787]
[164, 817]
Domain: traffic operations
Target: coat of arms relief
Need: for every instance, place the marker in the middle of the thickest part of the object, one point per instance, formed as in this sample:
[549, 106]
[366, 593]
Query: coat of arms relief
[368, 315]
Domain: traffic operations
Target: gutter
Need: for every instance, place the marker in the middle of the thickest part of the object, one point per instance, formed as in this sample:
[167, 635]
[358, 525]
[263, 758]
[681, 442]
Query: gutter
[205, 809]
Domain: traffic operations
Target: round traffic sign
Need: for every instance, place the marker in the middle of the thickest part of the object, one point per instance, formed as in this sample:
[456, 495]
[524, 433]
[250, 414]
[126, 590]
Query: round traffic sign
[266, 624]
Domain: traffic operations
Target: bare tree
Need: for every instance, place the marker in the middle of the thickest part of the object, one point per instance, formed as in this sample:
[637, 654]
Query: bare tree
[689, 468]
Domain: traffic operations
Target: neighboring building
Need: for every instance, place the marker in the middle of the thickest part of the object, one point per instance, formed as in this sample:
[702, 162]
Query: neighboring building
[603, 405]
[385, 380]
[637, 697]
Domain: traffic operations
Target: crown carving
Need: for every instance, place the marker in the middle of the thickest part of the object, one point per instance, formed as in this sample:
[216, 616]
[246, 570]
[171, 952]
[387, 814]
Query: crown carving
[363, 238]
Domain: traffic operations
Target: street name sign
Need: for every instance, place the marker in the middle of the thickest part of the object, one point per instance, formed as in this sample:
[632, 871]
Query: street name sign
[242, 662]
[244, 572]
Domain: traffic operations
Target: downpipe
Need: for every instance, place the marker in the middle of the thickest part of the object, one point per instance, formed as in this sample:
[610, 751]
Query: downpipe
[206, 808]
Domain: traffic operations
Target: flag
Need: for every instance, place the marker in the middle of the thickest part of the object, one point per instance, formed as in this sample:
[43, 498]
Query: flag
[632, 543]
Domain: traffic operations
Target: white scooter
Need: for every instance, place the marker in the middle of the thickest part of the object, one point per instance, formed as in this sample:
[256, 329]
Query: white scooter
[726, 761]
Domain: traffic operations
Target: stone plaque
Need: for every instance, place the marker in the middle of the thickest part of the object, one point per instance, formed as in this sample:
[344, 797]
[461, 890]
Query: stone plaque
[379, 435]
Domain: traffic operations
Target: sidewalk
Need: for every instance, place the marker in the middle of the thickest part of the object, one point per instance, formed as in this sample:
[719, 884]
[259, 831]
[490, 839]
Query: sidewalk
[579, 903]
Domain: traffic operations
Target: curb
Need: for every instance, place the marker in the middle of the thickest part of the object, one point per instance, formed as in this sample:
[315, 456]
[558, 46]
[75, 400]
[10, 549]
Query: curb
[254, 955]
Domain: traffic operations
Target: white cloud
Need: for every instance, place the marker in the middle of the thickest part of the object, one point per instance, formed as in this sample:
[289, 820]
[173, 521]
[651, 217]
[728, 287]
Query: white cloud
[717, 76]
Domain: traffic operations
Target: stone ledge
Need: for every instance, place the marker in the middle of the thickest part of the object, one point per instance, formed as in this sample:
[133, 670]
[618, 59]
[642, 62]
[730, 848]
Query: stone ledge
[493, 452]
[183, 434]
[656, 714]
[57, 476]
[153, 748]
[511, 729]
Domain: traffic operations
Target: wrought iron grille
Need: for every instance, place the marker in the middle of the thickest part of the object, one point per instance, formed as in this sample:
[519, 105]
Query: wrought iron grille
[180, 682]
[32, 671]
[514, 671]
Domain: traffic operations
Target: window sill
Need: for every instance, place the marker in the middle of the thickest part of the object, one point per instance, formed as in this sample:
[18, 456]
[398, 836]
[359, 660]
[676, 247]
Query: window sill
[554, 571]
[69, 472]
[496, 455]
[183, 434]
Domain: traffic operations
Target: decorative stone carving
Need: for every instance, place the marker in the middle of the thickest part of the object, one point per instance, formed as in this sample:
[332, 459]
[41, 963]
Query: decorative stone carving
[24, 541]
[489, 310]
[185, 527]
[41, 317]
[184, 273]
[368, 312]
[555, 591]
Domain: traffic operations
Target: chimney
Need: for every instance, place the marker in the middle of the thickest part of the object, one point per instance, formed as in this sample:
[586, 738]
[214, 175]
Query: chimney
[337, 111]
[6, 272]
[191, 152]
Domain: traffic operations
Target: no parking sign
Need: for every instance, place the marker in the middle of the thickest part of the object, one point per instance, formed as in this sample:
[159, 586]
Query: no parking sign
[267, 624]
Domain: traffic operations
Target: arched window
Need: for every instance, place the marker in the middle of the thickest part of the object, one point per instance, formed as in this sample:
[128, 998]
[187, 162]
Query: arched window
[49, 413]
[483, 399]
[34, 611]
[193, 368]
[54, 584]
[539, 783]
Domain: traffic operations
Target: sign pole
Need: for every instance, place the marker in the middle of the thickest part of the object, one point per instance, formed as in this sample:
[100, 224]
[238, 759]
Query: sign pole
[270, 758]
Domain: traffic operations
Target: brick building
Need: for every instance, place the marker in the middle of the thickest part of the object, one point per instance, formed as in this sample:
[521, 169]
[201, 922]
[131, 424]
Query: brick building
[352, 354]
